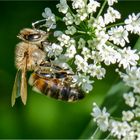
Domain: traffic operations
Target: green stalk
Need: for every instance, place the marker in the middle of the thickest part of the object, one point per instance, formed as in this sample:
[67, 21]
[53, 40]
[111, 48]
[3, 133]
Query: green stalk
[102, 8]
[94, 134]
[113, 25]
[81, 32]
[107, 138]
[137, 44]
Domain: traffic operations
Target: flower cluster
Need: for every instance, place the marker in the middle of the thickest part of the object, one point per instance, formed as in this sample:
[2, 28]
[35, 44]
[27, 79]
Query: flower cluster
[91, 41]
[126, 128]
[132, 78]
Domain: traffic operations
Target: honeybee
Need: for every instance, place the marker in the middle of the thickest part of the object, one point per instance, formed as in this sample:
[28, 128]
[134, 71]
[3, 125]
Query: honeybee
[53, 81]
[47, 78]
[28, 55]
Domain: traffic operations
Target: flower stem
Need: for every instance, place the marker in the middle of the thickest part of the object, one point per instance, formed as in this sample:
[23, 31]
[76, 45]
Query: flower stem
[81, 32]
[95, 132]
[117, 24]
[58, 18]
[111, 44]
[108, 136]
[102, 8]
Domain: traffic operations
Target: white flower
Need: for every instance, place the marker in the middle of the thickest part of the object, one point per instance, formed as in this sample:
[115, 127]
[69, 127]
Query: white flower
[108, 54]
[70, 52]
[82, 65]
[102, 37]
[86, 53]
[97, 71]
[111, 2]
[50, 19]
[84, 82]
[128, 57]
[96, 57]
[82, 14]
[70, 30]
[99, 23]
[57, 33]
[137, 111]
[92, 43]
[81, 43]
[92, 6]
[111, 15]
[135, 125]
[118, 35]
[101, 117]
[53, 50]
[77, 19]
[64, 39]
[119, 129]
[68, 19]
[78, 4]
[61, 61]
[132, 78]
[127, 115]
[70, 43]
[133, 23]
[62, 7]
[129, 99]
[130, 136]
[136, 128]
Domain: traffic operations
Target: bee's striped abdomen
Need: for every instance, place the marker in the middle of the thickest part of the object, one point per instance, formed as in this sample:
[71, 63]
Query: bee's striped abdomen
[55, 88]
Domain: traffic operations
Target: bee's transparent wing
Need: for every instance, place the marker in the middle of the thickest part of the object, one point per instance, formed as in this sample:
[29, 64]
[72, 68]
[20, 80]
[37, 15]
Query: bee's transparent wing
[16, 88]
[23, 89]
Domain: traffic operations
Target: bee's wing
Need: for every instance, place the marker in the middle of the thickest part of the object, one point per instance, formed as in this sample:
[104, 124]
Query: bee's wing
[23, 90]
[16, 88]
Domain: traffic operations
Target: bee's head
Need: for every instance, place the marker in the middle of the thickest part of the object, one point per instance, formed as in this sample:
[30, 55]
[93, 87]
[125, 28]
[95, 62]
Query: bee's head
[32, 35]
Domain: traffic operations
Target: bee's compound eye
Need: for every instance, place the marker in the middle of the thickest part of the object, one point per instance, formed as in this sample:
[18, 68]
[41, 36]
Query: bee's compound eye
[32, 37]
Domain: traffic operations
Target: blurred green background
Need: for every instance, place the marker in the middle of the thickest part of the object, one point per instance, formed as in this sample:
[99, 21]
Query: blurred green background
[42, 117]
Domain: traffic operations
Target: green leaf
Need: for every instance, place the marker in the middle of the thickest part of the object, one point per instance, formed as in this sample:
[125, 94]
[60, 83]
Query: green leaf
[137, 45]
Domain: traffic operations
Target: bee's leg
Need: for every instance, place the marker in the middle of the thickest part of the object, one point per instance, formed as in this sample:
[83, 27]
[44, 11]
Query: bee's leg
[50, 27]
[44, 44]
[34, 24]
